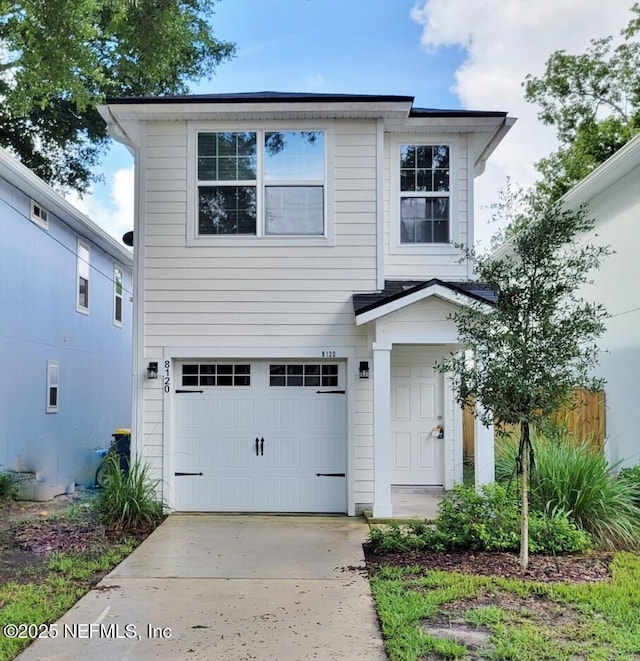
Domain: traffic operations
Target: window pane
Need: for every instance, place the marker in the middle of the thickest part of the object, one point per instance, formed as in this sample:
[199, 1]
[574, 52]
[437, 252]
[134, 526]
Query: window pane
[189, 380]
[189, 369]
[424, 168]
[294, 369]
[83, 292]
[242, 369]
[53, 397]
[276, 380]
[241, 380]
[225, 380]
[208, 380]
[294, 380]
[277, 370]
[424, 220]
[294, 156]
[225, 369]
[227, 210]
[118, 313]
[227, 156]
[207, 369]
[294, 210]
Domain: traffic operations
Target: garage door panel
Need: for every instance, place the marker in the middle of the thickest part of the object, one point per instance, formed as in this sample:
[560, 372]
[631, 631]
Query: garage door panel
[236, 493]
[282, 452]
[237, 414]
[283, 414]
[236, 452]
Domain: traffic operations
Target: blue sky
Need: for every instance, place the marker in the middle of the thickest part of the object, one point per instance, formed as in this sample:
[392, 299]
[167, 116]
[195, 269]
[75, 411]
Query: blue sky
[470, 54]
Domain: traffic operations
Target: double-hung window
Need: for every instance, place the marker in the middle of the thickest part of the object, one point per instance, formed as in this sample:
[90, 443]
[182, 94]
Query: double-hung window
[425, 194]
[83, 267]
[117, 296]
[261, 183]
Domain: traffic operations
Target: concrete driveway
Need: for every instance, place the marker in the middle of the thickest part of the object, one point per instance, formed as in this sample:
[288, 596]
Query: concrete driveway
[229, 588]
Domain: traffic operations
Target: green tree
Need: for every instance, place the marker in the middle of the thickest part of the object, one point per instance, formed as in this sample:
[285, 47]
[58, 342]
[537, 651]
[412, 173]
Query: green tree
[593, 100]
[59, 59]
[538, 342]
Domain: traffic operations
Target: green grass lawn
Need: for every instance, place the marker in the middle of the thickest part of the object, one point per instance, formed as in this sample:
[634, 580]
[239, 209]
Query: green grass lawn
[448, 615]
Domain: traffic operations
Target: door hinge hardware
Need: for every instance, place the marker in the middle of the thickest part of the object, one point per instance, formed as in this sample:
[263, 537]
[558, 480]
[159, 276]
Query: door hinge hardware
[331, 474]
[330, 392]
[200, 391]
[185, 474]
[262, 446]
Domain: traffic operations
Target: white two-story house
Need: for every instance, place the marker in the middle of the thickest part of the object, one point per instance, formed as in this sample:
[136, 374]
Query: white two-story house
[295, 270]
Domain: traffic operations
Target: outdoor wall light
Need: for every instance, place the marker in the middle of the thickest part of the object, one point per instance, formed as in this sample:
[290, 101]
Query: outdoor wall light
[364, 369]
[152, 371]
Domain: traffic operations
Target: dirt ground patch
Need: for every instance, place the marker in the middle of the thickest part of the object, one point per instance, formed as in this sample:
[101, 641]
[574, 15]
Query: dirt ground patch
[578, 568]
[31, 531]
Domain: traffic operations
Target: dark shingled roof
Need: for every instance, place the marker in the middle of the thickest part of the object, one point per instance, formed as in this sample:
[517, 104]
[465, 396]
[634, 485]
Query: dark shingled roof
[261, 97]
[302, 97]
[396, 289]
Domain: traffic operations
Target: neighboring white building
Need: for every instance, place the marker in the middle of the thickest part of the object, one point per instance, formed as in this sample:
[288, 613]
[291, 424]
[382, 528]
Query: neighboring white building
[294, 276]
[65, 334]
[612, 195]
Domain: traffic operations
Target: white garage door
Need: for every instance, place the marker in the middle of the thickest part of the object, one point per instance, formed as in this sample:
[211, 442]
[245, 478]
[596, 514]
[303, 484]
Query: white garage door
[260, 437]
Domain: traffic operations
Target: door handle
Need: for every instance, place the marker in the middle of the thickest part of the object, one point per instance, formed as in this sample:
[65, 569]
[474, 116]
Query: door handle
[261, 445]
[257, 446]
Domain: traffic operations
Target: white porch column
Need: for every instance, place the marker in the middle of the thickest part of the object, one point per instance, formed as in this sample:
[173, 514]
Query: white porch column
[484, 453]
[382, 507]
[453, 432]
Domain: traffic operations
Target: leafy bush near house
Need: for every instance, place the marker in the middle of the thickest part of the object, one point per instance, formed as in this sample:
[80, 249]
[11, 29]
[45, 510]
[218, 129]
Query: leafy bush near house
[575, 479]
[8, 486]
[129, 500]
[488, 520]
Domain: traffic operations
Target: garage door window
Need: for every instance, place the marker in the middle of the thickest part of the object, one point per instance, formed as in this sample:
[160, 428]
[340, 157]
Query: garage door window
[311, 375]
[216, 375]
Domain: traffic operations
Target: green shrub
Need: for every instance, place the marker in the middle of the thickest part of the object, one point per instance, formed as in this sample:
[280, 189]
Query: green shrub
[488, 520]
[556, 534]
[129, 501]
[576, 480]
[8, 486]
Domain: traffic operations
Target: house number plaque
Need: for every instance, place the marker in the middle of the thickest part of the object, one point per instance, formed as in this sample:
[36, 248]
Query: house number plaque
[328, 353]
[167, 376]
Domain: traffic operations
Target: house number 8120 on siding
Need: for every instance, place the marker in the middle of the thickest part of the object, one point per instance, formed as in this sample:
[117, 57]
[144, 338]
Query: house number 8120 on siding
[328, 354]
[167, 376]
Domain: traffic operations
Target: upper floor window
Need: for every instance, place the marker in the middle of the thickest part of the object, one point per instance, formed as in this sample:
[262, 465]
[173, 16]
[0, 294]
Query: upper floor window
[82, 291]
[424, 194]
[261, 183]
[117, 296]
[39, 215]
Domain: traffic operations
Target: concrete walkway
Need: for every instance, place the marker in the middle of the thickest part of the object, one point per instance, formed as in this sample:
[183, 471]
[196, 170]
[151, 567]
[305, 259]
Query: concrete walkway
[229, 588]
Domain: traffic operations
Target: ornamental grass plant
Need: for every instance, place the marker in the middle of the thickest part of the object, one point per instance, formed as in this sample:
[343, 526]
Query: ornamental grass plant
[129, 500]
[577, 479]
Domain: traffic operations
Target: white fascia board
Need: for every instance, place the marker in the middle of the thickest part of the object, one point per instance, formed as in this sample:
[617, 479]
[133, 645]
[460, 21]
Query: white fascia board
[439, 291]
[625, 160]
[31, 185]
[286, 110]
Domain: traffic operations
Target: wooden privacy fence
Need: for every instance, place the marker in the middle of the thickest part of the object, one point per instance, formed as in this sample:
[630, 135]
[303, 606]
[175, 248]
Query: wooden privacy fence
[584, 418]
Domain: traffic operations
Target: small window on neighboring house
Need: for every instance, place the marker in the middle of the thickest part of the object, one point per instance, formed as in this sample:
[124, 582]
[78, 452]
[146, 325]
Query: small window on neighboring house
[83, 277]
[39, 215]
[53, 376]
[424, 194]
[117, 296]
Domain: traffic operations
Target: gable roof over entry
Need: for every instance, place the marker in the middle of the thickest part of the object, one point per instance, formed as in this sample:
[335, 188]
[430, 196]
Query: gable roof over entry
[398, 294]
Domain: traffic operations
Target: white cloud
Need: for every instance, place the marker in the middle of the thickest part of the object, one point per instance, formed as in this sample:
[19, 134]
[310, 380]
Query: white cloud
[115, 214]
[505, 40]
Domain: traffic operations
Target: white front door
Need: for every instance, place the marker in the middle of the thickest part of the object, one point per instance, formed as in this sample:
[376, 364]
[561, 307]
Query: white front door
[260, 437]
[416, 413]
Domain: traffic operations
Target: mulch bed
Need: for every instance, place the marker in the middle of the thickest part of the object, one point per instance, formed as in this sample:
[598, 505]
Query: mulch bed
[579, 568]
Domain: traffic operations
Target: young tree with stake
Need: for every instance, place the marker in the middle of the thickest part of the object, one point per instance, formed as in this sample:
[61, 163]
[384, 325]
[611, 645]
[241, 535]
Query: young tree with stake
[538, 341]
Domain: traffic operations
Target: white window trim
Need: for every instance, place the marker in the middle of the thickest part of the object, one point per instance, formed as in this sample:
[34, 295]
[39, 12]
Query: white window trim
[83, 268]
[260, 239]
[118, 269]
[53, 368]
[37, 210]
[395, 245]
